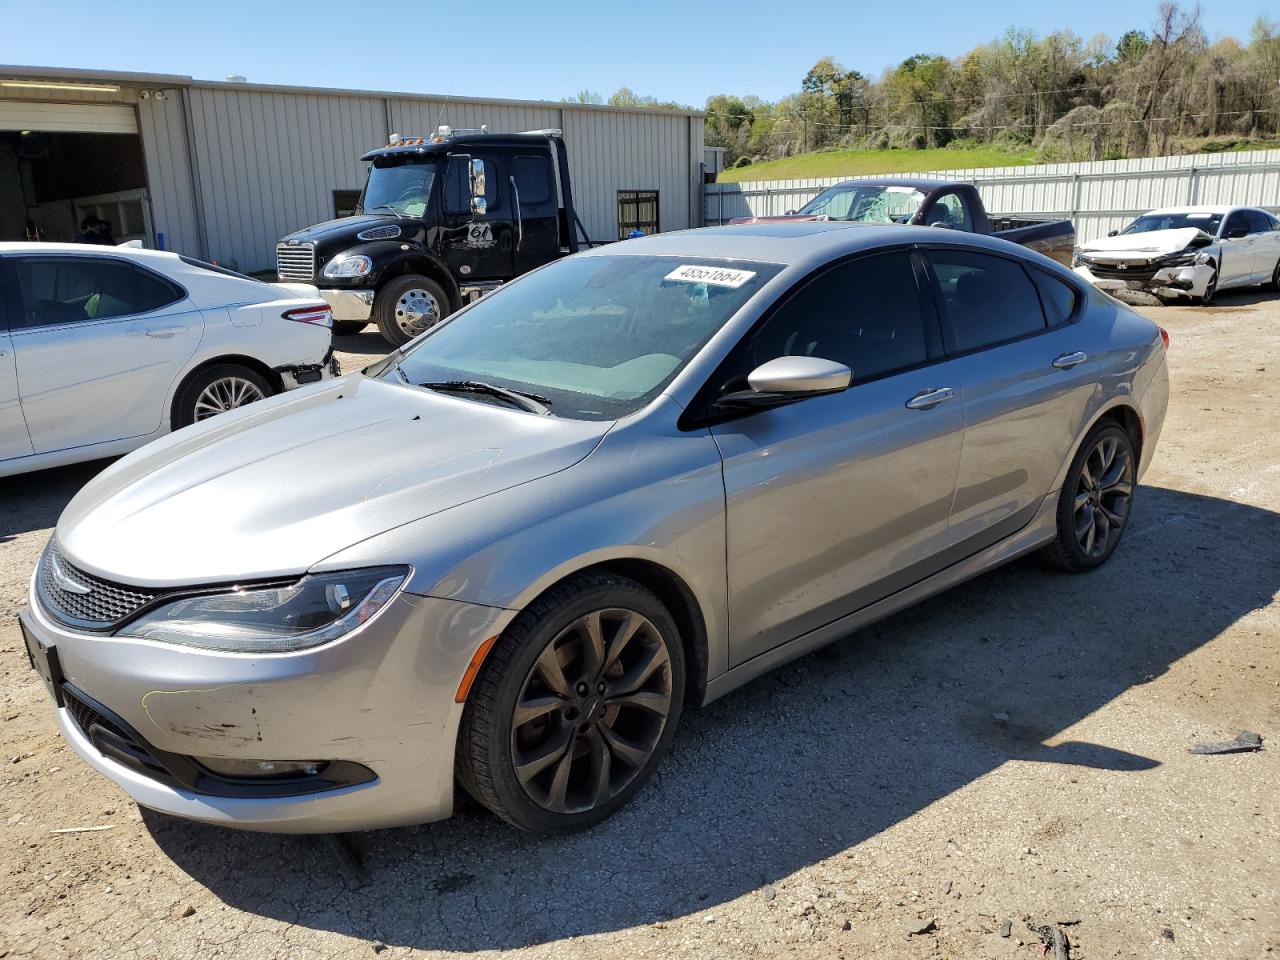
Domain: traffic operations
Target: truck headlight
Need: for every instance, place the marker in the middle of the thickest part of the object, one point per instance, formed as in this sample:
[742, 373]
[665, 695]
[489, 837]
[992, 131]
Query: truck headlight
[341, 266]
[273, 619]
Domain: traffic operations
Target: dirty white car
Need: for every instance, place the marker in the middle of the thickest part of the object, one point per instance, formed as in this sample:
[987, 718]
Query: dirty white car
[105, 348]
[1186, 253]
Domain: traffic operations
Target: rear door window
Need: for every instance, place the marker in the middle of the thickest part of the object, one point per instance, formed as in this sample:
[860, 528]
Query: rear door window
[986, 300]
[534, 182]
[62, 290]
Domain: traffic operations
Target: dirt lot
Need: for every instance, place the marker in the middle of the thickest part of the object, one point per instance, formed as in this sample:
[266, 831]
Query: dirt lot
[823, 810]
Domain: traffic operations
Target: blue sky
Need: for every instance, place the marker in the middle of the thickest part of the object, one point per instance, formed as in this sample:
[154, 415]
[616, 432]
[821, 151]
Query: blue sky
[674, 51]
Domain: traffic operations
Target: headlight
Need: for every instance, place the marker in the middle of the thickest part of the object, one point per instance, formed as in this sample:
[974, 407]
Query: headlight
[341, 266]
[1183, 258]
[388, 232]
[315, 610]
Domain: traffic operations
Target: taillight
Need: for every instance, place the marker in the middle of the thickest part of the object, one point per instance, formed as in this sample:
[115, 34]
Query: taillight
[321, 315]
[1164, 335]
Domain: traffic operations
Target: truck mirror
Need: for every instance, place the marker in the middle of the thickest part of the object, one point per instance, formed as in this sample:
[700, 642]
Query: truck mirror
[478, 204]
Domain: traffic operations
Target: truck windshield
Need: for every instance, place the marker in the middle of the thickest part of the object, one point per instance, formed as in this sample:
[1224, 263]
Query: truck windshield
[1208, 222]
[399, 185]
[597, 337]
[869, 203]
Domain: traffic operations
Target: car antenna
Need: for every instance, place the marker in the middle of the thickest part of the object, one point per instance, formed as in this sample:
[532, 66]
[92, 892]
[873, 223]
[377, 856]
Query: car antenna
[440, 115]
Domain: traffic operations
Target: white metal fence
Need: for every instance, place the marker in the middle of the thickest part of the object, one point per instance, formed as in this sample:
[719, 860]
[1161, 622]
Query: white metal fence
[1097, 196]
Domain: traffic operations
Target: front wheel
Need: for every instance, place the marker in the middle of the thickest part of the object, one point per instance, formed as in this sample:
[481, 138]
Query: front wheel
[1210, 290]
[217, 389]
[1275, 278]
[575, 706]
[1096, 498]
[408, 306]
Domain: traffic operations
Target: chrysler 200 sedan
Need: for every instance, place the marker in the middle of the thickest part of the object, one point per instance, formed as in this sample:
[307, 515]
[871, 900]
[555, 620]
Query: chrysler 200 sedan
[508, 555]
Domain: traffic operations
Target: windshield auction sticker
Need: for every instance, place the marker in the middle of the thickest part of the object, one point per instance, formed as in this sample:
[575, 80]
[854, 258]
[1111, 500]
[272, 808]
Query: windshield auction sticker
[716, 276]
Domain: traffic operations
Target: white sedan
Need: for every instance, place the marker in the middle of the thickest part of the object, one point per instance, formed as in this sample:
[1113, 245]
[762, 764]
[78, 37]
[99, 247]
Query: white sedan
[105, 348]
[1186, 252]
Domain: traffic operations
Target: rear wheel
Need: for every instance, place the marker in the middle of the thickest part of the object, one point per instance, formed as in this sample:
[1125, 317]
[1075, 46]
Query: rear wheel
[217, 389]
[575, 706]
[1093, 508]
[348, 328]
[408, 306]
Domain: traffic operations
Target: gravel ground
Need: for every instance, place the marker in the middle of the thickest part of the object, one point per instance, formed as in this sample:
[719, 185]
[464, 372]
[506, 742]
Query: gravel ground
[828, 809]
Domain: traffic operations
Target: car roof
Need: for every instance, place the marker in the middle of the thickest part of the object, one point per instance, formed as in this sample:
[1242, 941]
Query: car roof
[90, 249]
[790, 242]
[916, 183]
[1196, 208]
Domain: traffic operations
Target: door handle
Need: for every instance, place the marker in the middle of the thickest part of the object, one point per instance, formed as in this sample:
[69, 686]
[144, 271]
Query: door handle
[164, 333]
[1068, 360]
[928, 399]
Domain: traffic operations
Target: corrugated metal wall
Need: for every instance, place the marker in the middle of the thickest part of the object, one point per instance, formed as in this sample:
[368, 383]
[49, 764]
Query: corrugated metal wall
[169, 180]
[1098, 196]
[268, 162]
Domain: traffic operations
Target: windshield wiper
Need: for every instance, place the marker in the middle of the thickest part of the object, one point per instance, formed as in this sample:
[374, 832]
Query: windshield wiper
[527, 401]
[386, 206]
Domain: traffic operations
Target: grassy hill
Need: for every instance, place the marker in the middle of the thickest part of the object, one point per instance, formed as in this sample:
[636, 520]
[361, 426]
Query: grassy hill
[848, 163]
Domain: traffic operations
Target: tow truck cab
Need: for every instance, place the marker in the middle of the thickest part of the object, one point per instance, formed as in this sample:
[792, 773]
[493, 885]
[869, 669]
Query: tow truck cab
[441, 220]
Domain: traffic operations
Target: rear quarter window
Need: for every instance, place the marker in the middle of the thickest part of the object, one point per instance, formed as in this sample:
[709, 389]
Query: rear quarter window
[1058, 298]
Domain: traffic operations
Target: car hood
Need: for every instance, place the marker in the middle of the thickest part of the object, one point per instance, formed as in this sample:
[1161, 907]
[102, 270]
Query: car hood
[1142, 246]
[780, 218]
[346, 227]
[274, 488]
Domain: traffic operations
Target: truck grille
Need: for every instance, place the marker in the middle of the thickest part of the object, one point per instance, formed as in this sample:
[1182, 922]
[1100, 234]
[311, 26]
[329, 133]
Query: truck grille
[104, 604]
[296, 261]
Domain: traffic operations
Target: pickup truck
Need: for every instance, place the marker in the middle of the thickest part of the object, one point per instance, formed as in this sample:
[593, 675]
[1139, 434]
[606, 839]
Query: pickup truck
[442, 220]
[928, 202]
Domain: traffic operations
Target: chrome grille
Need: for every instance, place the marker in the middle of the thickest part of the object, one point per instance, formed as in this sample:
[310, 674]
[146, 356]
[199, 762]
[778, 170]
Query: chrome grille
[296, 261]
[104, 603]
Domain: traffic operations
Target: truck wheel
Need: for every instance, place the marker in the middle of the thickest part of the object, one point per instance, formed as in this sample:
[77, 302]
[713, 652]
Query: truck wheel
[348, 328]
[408, 306]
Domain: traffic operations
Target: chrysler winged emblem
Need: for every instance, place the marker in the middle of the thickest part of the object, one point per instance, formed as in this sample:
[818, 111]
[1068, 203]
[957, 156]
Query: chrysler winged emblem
[65, 580]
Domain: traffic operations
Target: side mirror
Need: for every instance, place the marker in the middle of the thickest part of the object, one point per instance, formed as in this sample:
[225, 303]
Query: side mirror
[478, 204]
[1113, 233]
[789, 213]
[1236, 233]
[785, 379]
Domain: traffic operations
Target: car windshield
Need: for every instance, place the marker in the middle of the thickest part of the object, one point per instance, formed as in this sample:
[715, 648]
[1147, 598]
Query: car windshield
[597, 336]
[1208, 222]
[867, 203]
[399, 185]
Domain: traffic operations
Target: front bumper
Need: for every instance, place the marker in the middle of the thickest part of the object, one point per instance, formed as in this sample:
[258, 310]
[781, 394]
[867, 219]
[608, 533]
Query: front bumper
[1167, 283]
[381, 697]
[349, 304]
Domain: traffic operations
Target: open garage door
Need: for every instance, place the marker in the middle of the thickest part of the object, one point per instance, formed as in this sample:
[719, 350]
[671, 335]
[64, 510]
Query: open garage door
[72, 172]
[68, 117]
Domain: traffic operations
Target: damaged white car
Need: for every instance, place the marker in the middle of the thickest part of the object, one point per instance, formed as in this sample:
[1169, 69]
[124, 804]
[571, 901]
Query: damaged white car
[1187, 253]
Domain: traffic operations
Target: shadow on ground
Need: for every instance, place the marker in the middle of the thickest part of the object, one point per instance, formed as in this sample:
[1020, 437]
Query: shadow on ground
[368, 343]
[798, 766]
[34, 501]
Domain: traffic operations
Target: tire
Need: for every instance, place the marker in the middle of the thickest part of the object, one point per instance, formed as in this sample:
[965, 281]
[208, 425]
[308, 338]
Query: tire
[348, 328]
[1275, 278]
[1096, 500]
[229, 385]
[408, 306]
[1211, 290]
[580, 755]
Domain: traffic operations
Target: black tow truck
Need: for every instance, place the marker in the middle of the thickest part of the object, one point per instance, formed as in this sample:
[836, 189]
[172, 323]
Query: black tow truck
[441, 220]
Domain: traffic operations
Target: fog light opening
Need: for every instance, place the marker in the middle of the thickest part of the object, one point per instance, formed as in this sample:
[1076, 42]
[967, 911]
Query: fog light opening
[262, 769]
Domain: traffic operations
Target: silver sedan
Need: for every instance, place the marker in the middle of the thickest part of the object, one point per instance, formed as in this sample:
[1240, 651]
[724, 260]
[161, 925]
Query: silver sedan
[510, 554]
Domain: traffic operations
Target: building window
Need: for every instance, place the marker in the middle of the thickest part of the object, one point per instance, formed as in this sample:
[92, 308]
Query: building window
[345, 202]
[637, 210]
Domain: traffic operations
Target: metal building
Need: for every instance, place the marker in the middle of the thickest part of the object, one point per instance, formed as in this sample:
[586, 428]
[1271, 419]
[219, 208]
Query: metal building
[221, 170]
